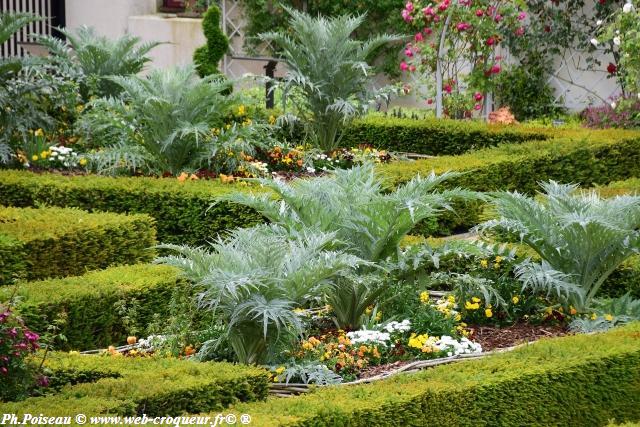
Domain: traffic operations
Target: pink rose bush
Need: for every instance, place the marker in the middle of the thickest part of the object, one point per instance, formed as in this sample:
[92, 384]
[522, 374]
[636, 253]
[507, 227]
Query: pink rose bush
[473, 31]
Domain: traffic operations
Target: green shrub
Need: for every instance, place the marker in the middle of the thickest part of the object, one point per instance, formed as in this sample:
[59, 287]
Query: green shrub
[207, 57]
[133, 386]
[526, 91]
[181, 211]
[435, 137]
[91, 303]
[58, 242]
[574, 381]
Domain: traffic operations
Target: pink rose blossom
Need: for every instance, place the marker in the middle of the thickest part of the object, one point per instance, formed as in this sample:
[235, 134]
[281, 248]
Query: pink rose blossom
[522, 16]
[520, 31]
[418, 37]
[477, 107]
[496, 69]
[479, 12]
[477, 96]
[404, 66]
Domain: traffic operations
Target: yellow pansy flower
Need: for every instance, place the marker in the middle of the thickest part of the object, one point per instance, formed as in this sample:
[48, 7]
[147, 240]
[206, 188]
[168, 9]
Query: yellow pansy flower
[424, 297]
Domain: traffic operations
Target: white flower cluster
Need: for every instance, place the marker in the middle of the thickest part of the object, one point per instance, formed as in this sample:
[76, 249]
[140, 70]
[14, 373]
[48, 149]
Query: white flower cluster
[454, 347]
[628, 7]
[65, 155]
[369, 336]
[404, 326]
[260, 166]
[151, 341]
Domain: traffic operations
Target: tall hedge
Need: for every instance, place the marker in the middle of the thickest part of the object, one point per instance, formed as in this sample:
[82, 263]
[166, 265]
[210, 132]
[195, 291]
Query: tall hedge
[584, 380]
[435, 137]
[90, 303]
[134, 386]
[58, 242]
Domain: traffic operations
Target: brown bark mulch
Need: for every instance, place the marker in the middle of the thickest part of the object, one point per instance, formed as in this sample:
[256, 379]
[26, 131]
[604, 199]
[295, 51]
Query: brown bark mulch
[492, 337]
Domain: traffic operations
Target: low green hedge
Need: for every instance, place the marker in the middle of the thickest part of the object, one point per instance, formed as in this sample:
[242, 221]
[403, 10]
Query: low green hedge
[182, 210]
[90, 303]
[586, 157]
[432, 136]
[56, 242]
[135, 386]
[572, 381]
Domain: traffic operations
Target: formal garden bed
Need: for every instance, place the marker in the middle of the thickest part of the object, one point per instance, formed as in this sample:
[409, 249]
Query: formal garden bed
[169, 247]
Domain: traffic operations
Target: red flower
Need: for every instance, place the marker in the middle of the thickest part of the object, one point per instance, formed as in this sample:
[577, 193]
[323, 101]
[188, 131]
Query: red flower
[447, 88]
[496, 69]
[611, 68]
[429, 101]
[477, 96]
[491, 41]
[479, 12]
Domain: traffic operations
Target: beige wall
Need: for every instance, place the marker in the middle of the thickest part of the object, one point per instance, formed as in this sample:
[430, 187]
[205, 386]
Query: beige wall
[183, 37]
[108, 17]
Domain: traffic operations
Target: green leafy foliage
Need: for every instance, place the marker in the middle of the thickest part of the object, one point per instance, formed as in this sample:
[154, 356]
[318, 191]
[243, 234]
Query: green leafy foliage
[97, 58]
[253, 281]
[32, 92]
[35, 240]
[367, 222]
[89, 303]
[580, 238]
[132, 386]
[263, 16]
[526, 92]
[207, 57]
[171, 114]
[329, 68]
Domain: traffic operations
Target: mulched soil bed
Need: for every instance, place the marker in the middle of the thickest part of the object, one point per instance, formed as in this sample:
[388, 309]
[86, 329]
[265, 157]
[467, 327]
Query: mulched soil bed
[491, 337]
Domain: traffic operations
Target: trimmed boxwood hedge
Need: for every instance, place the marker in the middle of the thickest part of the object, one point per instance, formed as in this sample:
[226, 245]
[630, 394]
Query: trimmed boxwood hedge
[573, 381]
[435, 137]
[57, 242]
[135, 386]
[580, 156]
[182, 210]
[89, 303]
